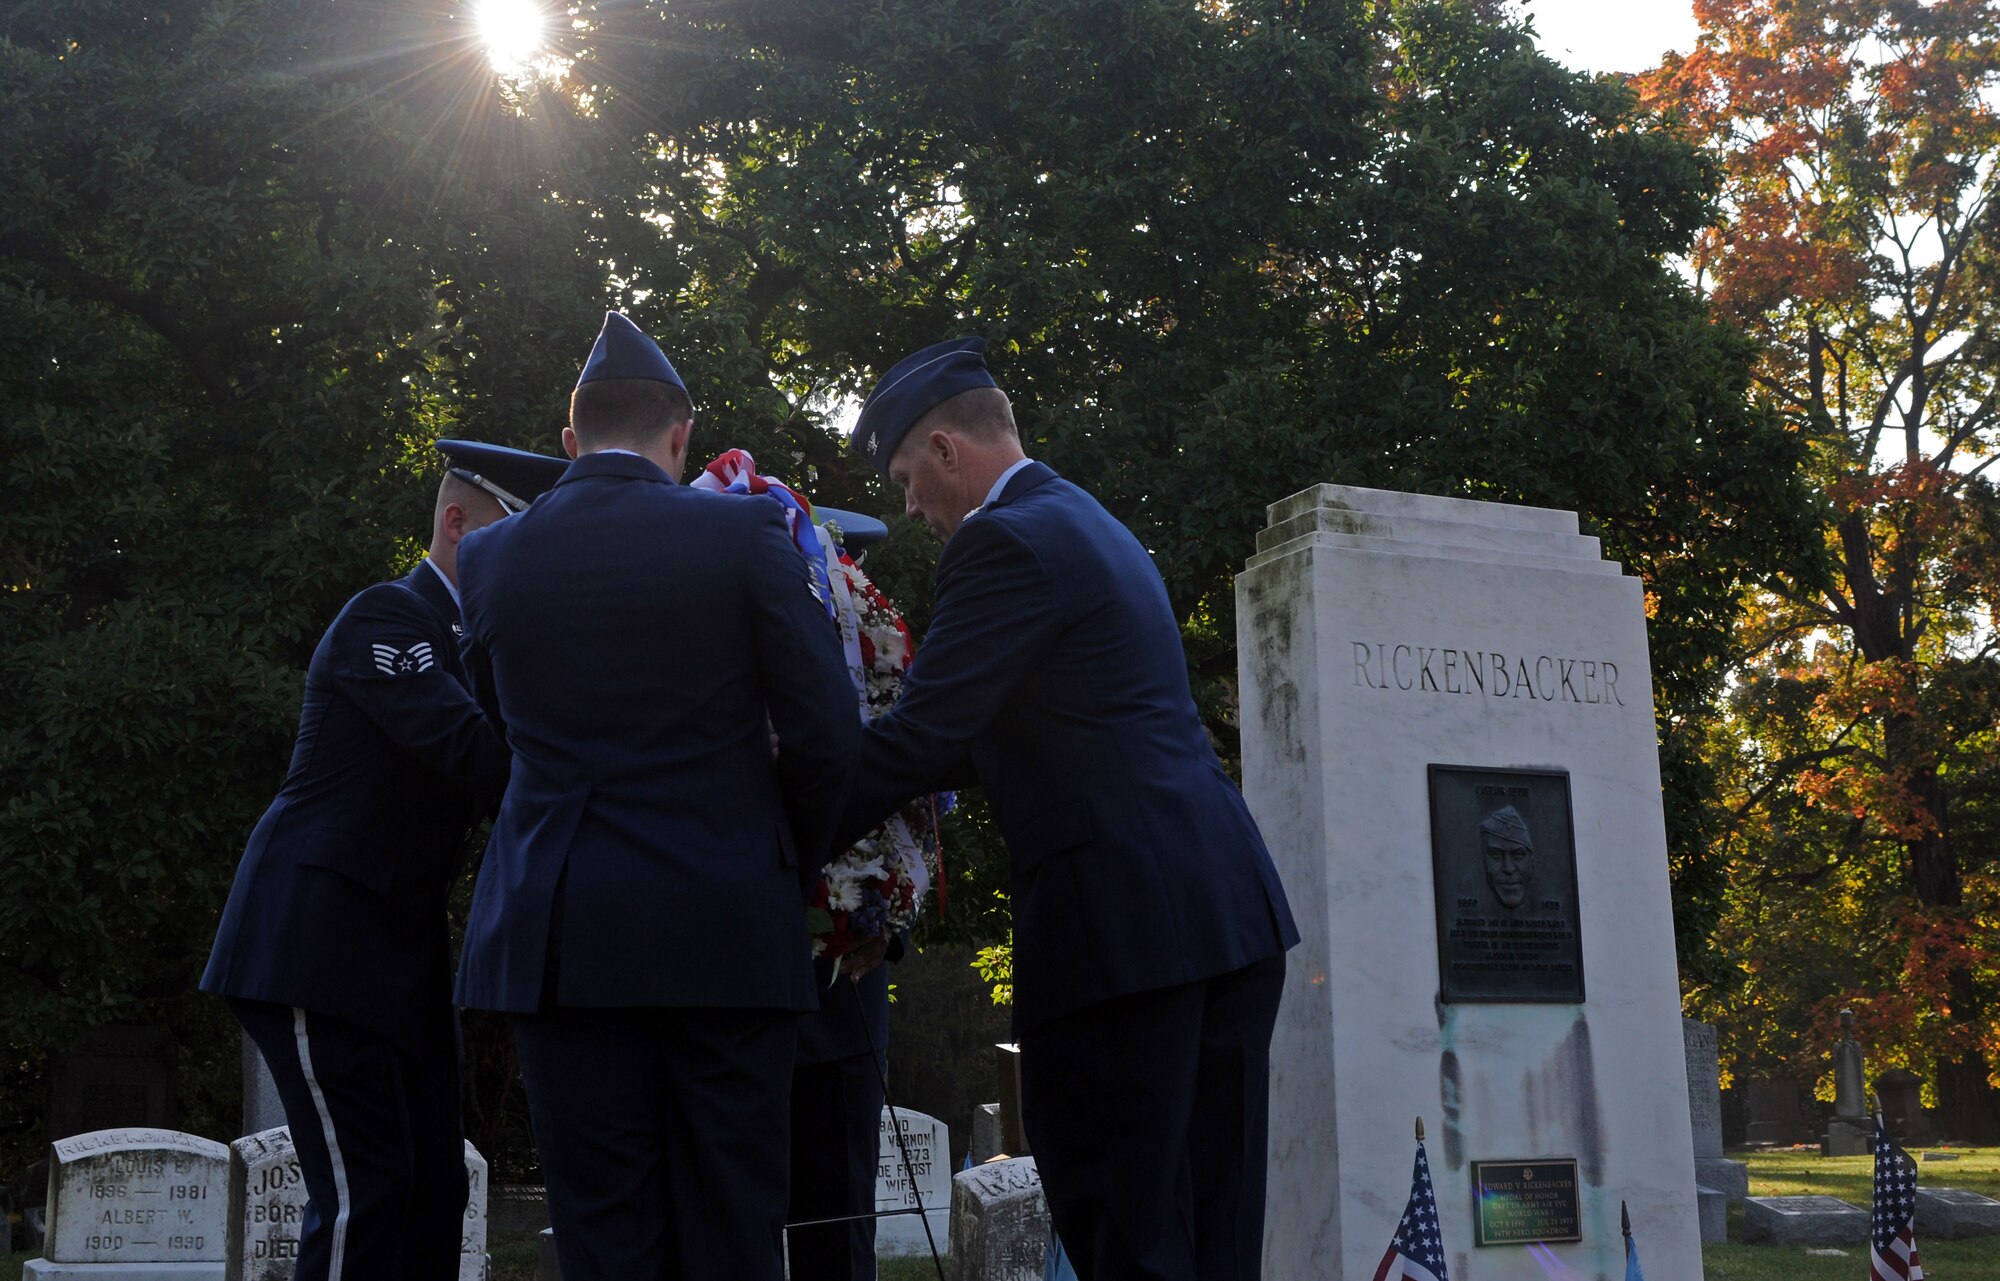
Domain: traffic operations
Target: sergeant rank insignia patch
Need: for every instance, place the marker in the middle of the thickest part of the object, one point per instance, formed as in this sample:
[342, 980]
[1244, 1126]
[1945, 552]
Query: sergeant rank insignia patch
[403, 662]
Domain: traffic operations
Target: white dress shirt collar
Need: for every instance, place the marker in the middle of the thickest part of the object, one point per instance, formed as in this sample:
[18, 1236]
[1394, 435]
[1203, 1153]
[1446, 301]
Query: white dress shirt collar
[993, 494]
[448, 584]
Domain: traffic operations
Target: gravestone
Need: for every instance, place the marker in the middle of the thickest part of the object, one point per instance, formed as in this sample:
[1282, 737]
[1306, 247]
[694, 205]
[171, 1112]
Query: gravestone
[999, 1223]
[986, 1133]
[518, 1209]
[1712, 1208]
[1953, 1213]
[1902, 1095]
[1804, 1220]
[1449, 745]
[473, 1262]
[928, 1142]
[1775, 1115]
[1007, 1072]
[1711, 1169]
[1849, 1132]
[134, 1204]
[267, 1202]
[262, 1108]
[114, 1077]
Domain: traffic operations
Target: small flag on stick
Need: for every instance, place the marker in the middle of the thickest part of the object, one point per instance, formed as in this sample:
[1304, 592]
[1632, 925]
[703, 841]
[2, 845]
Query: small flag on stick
[1417, 1251]
[1632, 1272]
[1892, 1239]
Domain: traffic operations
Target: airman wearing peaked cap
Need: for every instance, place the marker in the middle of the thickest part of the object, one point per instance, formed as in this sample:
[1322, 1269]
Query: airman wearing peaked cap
[334, 948]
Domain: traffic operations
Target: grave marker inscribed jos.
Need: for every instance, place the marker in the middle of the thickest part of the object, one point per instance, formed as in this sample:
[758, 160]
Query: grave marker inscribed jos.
[267, 1202]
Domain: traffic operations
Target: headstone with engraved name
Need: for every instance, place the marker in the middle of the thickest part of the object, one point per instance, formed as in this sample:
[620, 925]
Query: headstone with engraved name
[927, 1141]
[1484, 888]
[134, 1204]
[473, 1262]
[1711, 1168]
[999, 1223]
[1954, 1213]
[267, 1201]
[267, 1205]
[1804, 1220]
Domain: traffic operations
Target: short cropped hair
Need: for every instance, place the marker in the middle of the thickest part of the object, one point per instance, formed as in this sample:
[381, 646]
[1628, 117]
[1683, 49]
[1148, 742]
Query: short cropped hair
[982, 413]
[626, 412]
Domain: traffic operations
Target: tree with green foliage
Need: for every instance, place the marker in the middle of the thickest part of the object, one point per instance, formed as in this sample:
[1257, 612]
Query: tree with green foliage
[1861, 149]
[254, 258]
[258, 255]
[1219, 252]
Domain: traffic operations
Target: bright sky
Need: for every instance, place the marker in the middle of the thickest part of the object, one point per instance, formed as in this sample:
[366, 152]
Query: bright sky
[1611, 35]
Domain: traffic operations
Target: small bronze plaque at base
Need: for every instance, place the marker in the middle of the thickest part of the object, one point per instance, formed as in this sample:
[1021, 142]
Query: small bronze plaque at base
[1525, 1202]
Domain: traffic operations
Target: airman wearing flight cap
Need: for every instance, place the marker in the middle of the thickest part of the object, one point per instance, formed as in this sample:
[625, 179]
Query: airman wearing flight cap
[1149, 924]
[334, 947]
[641, 907]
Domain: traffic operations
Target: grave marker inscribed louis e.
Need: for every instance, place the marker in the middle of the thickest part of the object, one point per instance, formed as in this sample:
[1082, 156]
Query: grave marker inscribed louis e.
[136, 1196]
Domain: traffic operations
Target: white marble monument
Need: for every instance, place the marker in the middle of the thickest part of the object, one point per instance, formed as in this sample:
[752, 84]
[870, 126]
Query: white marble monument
[1383, 634]
[134, 1204]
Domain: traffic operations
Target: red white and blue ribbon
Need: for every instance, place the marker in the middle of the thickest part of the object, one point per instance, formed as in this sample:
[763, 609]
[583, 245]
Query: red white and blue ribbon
[735, 472]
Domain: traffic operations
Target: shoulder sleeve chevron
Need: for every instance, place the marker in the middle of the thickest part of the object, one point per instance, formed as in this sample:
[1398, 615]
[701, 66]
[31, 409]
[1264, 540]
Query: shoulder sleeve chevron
[390, 656]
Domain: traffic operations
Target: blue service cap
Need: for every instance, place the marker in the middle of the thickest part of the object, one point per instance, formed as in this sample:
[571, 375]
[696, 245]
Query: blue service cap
[917, 385]
[513, 476]
[857, 532]
[623, 350]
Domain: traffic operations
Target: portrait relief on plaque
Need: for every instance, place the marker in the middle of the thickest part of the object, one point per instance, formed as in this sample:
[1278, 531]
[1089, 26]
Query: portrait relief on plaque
[1503, 862]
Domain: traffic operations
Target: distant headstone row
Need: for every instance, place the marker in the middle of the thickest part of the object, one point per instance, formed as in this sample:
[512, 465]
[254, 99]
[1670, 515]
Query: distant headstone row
[1945, 1214]
[158, 1205]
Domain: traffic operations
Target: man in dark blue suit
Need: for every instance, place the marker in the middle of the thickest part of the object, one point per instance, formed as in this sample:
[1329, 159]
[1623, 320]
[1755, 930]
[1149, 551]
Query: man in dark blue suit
[641, 907]
[334, 947]
[1149, 925]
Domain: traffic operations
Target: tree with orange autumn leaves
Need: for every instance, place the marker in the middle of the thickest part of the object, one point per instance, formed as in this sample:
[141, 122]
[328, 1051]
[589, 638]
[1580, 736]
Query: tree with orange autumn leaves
[1858, 753]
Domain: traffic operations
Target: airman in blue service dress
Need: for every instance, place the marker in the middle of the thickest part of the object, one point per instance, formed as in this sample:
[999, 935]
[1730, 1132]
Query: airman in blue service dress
[334, 947]
[1149, 923]
[641, 906]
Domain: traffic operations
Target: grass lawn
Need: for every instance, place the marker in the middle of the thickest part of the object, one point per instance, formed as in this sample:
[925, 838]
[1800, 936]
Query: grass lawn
[1851, 1178]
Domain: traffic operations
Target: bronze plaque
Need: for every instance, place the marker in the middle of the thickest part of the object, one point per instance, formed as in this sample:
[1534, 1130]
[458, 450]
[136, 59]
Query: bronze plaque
[1525, 1202]
[1503, 861]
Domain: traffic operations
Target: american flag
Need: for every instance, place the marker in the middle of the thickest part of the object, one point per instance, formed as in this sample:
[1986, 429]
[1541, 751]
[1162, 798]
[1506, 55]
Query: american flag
[1892, 1241]
[1417, 1252]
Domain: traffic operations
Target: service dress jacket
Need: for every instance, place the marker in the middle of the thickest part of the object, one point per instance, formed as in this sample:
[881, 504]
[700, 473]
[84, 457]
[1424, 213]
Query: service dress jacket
[339, 902]
[1054, 663]
[632, 635]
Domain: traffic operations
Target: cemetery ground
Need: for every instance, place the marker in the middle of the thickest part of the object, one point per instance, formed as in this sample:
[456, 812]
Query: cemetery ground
[514, 1260]
[1804, 1172]
[1799, 1172]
